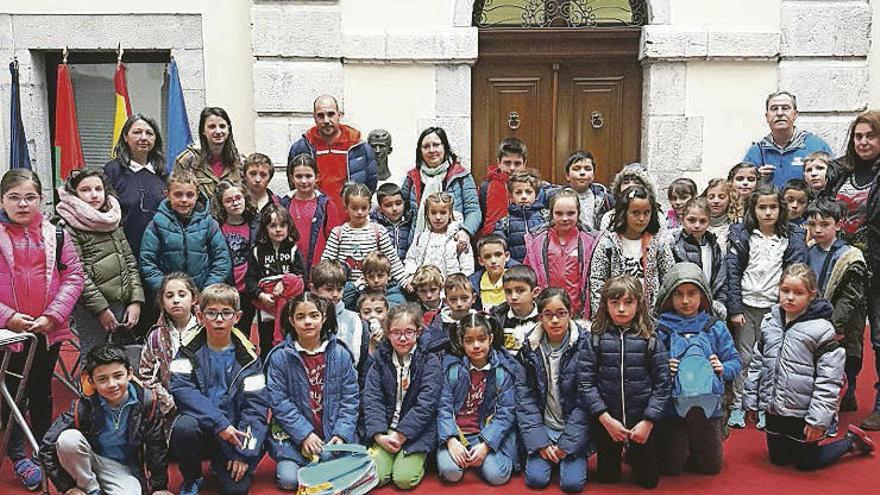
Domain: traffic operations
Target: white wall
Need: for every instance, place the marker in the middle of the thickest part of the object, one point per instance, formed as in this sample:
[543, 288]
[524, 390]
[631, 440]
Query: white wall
[874, 58]
[763, 13]
[396, 14]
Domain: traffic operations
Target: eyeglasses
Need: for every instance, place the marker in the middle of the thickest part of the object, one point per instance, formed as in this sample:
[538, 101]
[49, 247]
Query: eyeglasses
[27, 200]
[406, 333]
[233, 200]
[430, 146]
[226, 314]
[549, 315]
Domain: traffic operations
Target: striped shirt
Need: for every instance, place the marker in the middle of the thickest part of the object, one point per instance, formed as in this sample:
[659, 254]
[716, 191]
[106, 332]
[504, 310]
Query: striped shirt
[350, 246]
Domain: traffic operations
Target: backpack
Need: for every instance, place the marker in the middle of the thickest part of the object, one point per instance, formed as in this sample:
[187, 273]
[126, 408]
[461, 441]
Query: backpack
[350, 471]
[59, 246]
[693, 383]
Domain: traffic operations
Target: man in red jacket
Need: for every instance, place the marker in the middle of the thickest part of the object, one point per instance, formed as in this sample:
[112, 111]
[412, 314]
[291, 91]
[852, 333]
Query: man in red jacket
[512, 156]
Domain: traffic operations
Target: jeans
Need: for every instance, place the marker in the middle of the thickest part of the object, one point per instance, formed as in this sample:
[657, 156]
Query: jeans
[785, 444]
[744, 339]
[572, 469]
[496, 468]
[191, 444]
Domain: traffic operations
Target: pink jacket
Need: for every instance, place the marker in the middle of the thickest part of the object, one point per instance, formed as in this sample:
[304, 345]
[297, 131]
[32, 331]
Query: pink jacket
[536, 257]
[64, 287]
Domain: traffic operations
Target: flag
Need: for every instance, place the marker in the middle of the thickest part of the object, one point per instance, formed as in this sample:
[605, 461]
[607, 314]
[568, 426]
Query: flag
[19, 157]
[123, 106]
[68, 149]
[179, 135]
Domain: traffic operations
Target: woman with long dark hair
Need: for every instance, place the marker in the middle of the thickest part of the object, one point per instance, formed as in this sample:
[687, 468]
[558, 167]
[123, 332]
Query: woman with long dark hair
[217, 157]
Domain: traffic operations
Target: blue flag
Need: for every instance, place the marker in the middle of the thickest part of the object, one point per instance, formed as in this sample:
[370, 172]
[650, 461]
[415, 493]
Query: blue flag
[179, 134]
[19, 157]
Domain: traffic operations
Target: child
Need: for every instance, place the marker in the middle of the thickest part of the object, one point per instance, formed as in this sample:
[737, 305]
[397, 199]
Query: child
[328, 280]
[842, 279]
[311, 210]
[275, 271]
[723, 208]
[112, 295]
[493, 193]
[760, 247]
[633, 174]
[632, 247]
[518, 314]
[427, 283]
[459, 299]
[816, 172]
[111, 439]
[691, 433]
[795, 376]
[561, 255]
[373, 309]
[796, 195]
[551, 419]
[177, 323]
[525, 216]
[218, 385]
[400, 399]
[476, 417]
[377, 277]
[624, 399]
[437, 245]
[41, 278]
[697, 245]
[235, 212]
[393, 214]
[744, 177]
[680, 191]
[595, 199]
[184, 237]
[258, 172]
[313, 389]
[494, 259]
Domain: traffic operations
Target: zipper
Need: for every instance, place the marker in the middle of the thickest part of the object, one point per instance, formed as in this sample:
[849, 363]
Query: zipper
[622, 392]
[776, 366]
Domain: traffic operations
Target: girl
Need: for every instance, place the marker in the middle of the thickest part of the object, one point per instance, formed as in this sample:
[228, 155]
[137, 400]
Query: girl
[631, 246]
[112, 295]
[796, 375]
[311, 210]
[400, 399]
[274, 276]
[561, 255]
[696, 244]
[235, 211]
[217, 158]
[437, 245]
[759, 249]
[744, 177]
[680, 191]
[41, 278]
[552, 421]
[177, 322]
[313, 388]
[723, 208]
[624, 382]
[633, 174]
[476, 416]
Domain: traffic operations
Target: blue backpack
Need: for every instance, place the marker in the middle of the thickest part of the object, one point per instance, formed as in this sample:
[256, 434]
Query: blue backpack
[693, 383]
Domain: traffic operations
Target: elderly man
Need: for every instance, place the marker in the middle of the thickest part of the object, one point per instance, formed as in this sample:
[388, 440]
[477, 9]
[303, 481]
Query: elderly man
[780, 155]
[338, 149]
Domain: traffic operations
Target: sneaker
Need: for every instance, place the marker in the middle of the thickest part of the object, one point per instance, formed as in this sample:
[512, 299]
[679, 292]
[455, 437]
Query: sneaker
[29, 473]
[762, 421]
[872, 422]
[849, 403]
[860, 440]
[832, 428]
[192, 487]
[737, 419]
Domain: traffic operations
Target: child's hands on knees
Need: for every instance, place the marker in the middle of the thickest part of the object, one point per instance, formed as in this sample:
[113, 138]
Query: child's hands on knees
[641, 431]
[615, 428]
[312, 445]
[549, 454]
[477, 454]
[457, 452]
[673, 366]
[813, 433]
[738, 321]
[717, 367]
[237, 470]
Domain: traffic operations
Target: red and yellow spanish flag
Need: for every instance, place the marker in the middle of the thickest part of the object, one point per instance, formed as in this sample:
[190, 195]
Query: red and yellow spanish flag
[68, 149]
[123, 105]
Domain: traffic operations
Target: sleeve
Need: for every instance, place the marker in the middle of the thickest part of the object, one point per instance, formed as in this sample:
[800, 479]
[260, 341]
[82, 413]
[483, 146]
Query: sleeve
[665, 261]
[528, 415]
[254, 412]
[751, 400]
[471, 207]
[91, 296]
[349, 401]
[735, 269]
[372, 167]
[156, 446]
[413, 259]
[190, 400]
[753, 156]
[502, 226]
[281, 400]
[71, 283]
[726, 351]
[253, 275]
[451, 261]
[661, 390]
[588, 372]
[850, 296]
[388, 249]
[600, 271]
[48, 454]
[504, 419]
[830, 358]
[150, 258]
[719, 286]
[417, 419]
[220, 268]
[375, 411]
[446, 425]
[131, 264]
[146, 369]
[331, 249]
[576, 434]
[796, 252]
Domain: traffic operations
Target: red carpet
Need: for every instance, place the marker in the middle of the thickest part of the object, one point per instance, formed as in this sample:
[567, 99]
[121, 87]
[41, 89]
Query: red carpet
[746, 468]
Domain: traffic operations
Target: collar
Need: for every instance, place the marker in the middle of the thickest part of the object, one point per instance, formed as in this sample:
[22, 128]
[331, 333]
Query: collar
[302, 350]
[471, 366]
[486, 283]
[132, 399]
[533, 314]
[137, 167]
[405, 361]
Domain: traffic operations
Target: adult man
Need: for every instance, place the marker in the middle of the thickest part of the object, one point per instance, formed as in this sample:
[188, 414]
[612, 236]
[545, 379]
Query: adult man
[338, 149]
[780, 155]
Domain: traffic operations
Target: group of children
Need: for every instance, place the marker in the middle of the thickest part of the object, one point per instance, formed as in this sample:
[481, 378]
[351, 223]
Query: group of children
[588, 319]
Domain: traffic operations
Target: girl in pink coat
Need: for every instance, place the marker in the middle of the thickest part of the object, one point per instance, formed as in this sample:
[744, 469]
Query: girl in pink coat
[40, 283]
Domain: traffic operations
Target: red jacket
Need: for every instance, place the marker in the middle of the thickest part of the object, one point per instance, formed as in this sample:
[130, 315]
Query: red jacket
[493, 198]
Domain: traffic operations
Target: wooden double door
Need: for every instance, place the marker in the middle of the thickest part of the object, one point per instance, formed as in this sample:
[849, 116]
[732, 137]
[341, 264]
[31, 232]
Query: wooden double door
[558, 92]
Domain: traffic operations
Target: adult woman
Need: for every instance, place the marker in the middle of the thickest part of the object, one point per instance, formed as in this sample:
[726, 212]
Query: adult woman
[438, 170]
[217, 158]
[137, 174]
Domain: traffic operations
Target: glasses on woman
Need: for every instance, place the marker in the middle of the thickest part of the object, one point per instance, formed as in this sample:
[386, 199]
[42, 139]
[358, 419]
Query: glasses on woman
[399, 334]
[559, 314]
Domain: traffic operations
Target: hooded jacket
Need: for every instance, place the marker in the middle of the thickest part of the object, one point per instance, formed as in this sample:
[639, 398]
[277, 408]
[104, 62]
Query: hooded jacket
[520, 223]
[797, 367]
[686, 248]
[459, 183]
[766, 152]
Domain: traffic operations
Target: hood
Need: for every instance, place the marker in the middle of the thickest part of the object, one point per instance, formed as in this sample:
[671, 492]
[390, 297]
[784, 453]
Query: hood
[682, 273]
[819, 309]
[685, 324]
[536, 334]
[635, 169]
[798, 139]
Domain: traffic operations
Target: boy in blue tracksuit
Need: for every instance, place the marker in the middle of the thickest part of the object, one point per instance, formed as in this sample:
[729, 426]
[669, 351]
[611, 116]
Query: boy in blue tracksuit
[690, 434]
[218, 386]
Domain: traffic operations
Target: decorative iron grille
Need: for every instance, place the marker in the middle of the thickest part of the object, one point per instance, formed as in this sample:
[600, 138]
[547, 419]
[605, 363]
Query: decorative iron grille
[559, 13]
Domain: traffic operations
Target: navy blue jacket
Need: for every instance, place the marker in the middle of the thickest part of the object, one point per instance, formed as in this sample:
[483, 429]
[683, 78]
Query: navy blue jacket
[400, 232]
[418, 412]
[625, 375]
[738, 260]
[521, 220]
[139, 196]
[685, 248]
[531, 395]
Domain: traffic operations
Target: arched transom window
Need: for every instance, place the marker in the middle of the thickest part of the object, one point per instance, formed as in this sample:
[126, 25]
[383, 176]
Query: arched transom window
[559, 13]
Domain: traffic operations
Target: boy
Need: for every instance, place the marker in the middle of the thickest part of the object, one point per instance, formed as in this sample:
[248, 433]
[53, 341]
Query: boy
[580, 173]
[377, 275]
[459, 298]
[107, 441]
[796, 195]
[258, 172]
[427, 282]
[841, 272]
[393, 215]
[494, 259]
[328, 279]
[525, 216]
[493, 195]
[373, 309]
[518, 314]
[220, 391]
[184, 237]
[816, 172]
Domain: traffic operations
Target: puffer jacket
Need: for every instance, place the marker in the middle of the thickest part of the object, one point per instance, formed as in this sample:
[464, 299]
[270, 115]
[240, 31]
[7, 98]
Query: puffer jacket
[625, 375]
[193, 160]
[63, 281]
[531, 394]
[146, 439]
[288, 385]
[418, 411]
[686, 248]
[399, 232]
[797, 368]
[361, 160]
[197, 248]
[536, 258]
[845, 290]
[520, 223]
[459, 183]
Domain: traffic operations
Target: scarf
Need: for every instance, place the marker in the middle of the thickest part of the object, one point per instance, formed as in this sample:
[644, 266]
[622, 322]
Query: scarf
[81, 216]
[432, 182]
